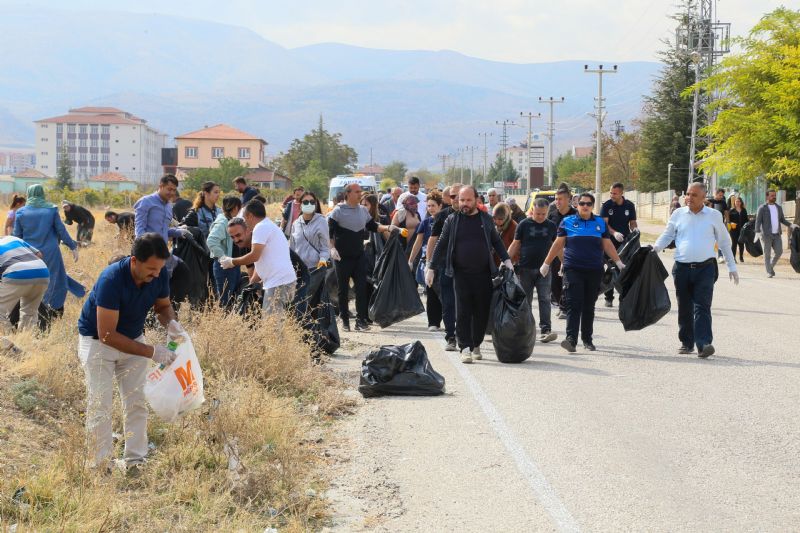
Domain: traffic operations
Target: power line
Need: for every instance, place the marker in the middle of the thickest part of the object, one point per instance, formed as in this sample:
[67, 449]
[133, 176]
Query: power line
[551, 129]
[599, 115]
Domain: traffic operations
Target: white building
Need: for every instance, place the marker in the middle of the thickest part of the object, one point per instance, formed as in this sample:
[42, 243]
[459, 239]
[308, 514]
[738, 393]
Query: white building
[518, 155]
[99, 140]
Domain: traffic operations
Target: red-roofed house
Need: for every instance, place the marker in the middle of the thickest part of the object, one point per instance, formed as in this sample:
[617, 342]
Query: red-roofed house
[204, 148]
[111, 180]
[28, 177]
[100, 140]
[264, 178]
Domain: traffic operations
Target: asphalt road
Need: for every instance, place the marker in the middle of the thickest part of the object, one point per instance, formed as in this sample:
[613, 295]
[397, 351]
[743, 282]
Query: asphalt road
[631, 437]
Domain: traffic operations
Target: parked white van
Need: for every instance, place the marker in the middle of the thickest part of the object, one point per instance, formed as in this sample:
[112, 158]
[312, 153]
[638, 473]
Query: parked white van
[337, 185]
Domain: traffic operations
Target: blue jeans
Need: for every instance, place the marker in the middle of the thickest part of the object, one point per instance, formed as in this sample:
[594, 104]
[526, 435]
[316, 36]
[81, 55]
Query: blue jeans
[581, 291]
[448, 306]
[225, 283]
[694, 288]
[530, 278]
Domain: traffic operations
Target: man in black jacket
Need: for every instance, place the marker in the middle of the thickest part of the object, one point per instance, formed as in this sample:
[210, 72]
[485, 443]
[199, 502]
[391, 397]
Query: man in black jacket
[464, 253]
[81, 216]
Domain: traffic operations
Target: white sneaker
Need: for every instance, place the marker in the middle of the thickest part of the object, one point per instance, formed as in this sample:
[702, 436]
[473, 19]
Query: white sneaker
[466, 357]
[548, 337]
[720, 259]
[476, 353]
[433, 328]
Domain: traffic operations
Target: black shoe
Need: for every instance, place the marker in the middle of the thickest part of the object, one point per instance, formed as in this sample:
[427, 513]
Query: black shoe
[589, 346]
[741, 259]
[568, 344]
[451, 346]
[345, 325]
[361, 325]
[707, 351]
[685, 350]
[771, 275]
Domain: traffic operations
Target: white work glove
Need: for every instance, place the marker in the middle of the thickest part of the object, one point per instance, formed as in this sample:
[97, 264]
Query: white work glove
[657, 249]
[175, 330]
[411, 265]
[163, 355]
[544, 270]
[75, 254]
[335, 255]
[619, 236]
[561, 271]
[226, 262]
[734, 276]
[429, 275]
[620, 265]
[508, 264]
[758, 236]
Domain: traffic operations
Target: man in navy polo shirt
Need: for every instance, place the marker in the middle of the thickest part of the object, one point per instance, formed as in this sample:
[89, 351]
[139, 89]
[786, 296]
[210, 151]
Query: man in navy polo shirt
[111, 344]
[619, 215]
[582, 239]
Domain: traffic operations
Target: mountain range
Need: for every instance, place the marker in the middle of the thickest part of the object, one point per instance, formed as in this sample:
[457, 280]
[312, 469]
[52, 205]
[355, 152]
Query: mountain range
[182, 74]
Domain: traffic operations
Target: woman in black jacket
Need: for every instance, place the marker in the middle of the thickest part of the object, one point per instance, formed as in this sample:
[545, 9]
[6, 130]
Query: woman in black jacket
[204, 211]
[737, 219]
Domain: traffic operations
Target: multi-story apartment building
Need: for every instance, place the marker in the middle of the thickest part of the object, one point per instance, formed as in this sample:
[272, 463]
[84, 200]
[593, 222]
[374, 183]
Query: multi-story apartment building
[519, 156]
[99, 140]
[204, 148]
[13, 162]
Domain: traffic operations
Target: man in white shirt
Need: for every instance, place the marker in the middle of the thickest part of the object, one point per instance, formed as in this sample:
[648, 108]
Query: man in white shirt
[269, 253]
[422, 206]
[768, 229]
[695, 230]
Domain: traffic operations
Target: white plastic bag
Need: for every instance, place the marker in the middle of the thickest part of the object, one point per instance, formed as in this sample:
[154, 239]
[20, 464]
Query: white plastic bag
[177, 389]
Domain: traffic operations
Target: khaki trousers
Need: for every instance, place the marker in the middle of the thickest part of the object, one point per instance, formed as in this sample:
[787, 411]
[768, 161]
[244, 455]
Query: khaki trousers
[29, 297]
[101, 364]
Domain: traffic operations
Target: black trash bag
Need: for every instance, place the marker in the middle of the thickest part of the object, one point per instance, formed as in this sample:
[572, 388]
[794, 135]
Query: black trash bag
[748, 237]
[609, 279]
[320, 319]
[631, 245]
[644, 298]
[401, 371]
[192, 283]
[395, 297]
[794, 249]
[248, 301]
[513, 325]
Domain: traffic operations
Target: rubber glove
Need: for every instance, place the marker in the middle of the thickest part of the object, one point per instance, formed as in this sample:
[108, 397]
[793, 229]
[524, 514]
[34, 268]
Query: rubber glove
[620, 265]
[226, 262]
[508, 264]
[175, 330]
[335, 255]
[163, 355]
[429, 275]
[75, 254]
[544, 270]
[734, 276]
[657, 249]
[619, 236]
[758, 236]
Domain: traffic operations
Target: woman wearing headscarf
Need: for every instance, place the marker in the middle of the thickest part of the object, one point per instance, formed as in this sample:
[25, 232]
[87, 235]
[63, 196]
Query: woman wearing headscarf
[39, 224]
[506, 226]
[407, 215]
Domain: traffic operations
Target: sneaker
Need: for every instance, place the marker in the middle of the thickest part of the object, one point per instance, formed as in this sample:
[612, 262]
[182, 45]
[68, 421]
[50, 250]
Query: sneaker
[466, 357]
[707, 351]
[589, 346]
[609, 303]
[476, 353]
[546, 337]
[685, 350]
[433, 328]
[741, 259]
[345, 325]
[720, 259]
[568, 344]
[771, 275]
[361, 325]
[451, 346]
[561, 314]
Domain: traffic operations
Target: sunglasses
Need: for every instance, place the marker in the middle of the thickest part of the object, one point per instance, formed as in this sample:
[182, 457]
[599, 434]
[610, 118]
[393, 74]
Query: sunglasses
[309, 202]
[586, 204]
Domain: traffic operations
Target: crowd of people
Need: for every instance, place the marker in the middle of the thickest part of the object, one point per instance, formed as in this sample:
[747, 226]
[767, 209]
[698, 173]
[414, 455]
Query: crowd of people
[455, 244]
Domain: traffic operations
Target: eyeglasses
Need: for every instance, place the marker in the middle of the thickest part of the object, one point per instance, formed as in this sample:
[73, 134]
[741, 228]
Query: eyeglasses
[309, 202]
[453, 196]
[586, 204]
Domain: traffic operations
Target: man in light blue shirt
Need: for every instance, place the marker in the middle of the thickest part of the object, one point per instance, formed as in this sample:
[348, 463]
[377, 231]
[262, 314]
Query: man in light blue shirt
[153, 214]
[695, 230]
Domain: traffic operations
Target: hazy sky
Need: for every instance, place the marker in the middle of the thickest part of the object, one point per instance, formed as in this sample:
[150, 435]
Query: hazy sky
[505, 30]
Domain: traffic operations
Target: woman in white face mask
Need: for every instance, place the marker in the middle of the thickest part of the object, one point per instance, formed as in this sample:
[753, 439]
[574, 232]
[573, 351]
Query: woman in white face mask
[309, 238]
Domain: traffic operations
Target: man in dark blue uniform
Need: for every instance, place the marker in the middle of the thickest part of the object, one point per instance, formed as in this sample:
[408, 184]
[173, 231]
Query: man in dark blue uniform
[619, 215]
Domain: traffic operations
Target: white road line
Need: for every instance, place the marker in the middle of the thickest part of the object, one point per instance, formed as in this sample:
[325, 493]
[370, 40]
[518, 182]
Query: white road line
[545, 493]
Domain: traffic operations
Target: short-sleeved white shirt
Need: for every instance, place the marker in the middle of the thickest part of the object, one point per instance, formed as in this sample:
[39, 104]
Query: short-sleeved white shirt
[274, 267]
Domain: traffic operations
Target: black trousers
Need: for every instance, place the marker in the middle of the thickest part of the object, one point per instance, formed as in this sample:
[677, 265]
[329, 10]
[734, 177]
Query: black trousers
[354, 268]
[610, 292]
[557, 286]
[580, 288]
[736, 244]
[473, 298]
[433, 307]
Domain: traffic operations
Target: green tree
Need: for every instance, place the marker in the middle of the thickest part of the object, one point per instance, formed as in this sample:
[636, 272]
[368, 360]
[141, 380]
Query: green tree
[757, 130]
[396, 170]
[620, 159]
[314, 179]
[501, 170]
[319, 145]
[667, 122]
[64, 170]
[575, 171]
[229, 169]
[387, 183]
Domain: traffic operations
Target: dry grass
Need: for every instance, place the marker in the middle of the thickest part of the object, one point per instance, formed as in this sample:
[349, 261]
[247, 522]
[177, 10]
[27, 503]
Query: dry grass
[242, 463]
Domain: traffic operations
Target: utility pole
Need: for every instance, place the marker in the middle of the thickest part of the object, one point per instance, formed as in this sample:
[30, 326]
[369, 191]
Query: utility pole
[443, 157]
[485, 154]
[530, 117]
[550, 134]
[472, 164]
[504, 142]
[461, 151]
[619, 129]
[599, 115]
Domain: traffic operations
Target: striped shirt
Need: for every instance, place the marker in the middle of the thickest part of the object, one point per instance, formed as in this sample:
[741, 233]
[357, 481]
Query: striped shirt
[19, 263]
